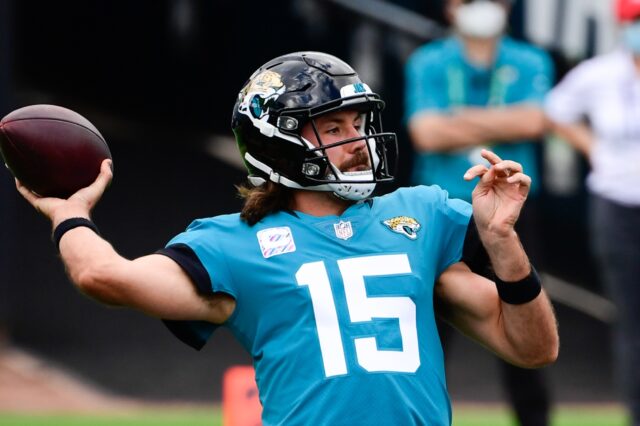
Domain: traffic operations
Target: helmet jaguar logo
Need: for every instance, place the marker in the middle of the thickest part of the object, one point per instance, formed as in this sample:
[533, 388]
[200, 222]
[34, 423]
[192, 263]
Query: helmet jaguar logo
[266, 82]
[404, 225]
[260, 92]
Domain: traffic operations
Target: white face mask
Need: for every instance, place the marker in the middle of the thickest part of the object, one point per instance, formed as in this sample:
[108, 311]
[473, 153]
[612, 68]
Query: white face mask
[480, 19]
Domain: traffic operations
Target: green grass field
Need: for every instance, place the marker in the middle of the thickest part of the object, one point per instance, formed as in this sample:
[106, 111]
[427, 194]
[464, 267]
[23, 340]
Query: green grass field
[473, 415]
[142, 418]
[570, 415]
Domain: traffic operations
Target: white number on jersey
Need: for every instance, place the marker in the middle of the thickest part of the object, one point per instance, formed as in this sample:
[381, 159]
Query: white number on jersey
[362, 308]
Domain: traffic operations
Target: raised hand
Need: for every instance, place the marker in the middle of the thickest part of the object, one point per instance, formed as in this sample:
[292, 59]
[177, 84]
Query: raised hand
[79, 204]
[499, 195]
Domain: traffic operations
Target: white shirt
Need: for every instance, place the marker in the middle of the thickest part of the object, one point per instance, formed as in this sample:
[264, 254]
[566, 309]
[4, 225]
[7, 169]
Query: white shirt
[606, 91]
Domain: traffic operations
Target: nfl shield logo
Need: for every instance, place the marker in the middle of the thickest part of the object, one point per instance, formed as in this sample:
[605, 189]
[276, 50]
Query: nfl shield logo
[343, 230]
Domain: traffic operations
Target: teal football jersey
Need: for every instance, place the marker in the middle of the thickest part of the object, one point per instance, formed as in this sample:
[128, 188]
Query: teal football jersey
[337, 311]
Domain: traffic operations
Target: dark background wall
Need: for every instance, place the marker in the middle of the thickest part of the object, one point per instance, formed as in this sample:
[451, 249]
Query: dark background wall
[159, 78]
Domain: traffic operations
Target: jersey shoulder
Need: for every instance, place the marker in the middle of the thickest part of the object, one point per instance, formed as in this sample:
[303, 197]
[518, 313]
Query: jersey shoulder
[230, 228]
[425, 199]
[207, 233]
[222, 223]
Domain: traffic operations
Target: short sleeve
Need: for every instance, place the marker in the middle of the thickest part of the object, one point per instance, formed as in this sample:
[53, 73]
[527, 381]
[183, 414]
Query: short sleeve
[203, 237]
[184, 256]
[196, 251]
[456, 216]
[192, 333]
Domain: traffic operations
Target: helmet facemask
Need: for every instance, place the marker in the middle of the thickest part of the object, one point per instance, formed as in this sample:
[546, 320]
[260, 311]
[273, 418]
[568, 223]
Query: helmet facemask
[370, 163]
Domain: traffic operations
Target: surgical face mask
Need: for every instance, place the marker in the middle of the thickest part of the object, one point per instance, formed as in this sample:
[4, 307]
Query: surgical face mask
[631, 37]
[480, 19]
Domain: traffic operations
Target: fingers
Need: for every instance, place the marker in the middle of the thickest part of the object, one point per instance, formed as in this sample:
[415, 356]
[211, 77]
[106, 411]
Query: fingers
[92, 193]
[101, 182]
[520, 178]
[499, 167]
[79, 204]
[105, 176]
[506, 168]
[103, 179]
[39, 203]
[501, 170]
[523, 181]
[490, 156]
[475, 171]
[26, 193]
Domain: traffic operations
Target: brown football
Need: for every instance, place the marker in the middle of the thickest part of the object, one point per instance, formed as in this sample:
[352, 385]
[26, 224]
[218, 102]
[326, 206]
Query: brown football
[52, 150]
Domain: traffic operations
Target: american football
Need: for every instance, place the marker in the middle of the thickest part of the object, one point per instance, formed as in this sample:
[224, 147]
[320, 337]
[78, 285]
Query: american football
[52, 150]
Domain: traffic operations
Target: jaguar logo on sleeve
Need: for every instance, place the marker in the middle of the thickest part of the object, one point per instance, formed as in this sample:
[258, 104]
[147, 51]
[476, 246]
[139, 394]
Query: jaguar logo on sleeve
[404, 225]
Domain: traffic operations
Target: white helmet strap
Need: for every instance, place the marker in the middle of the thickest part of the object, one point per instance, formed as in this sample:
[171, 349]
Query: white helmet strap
[347, 191]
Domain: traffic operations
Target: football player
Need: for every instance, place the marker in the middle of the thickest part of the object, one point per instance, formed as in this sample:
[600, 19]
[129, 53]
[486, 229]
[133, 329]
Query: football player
[330, 289]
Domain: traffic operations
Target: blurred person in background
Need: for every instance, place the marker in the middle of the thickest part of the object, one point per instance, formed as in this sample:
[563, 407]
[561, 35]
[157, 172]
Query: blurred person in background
[329, 289]
[479, 88]
[596, 108]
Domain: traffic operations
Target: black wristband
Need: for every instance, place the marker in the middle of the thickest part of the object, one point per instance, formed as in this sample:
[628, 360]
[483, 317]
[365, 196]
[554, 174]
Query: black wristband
[520, 292]
[69, 224]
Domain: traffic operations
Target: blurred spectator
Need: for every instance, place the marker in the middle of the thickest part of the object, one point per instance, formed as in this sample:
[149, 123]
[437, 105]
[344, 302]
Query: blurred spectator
[474, 89]
[596, 108]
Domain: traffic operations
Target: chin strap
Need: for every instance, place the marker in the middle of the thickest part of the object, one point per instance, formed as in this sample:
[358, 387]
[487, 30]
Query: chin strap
[273, 176]
[346, 191]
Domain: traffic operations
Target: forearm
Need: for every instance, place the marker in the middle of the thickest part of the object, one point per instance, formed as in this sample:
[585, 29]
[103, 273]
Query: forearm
[531, 332]
[508, 259]
[476, 126]
[524, 335]
[92, 264]
[155, 284]
[529, 329]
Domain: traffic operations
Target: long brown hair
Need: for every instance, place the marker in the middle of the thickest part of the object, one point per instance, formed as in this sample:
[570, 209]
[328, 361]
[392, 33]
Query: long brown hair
[263, 200]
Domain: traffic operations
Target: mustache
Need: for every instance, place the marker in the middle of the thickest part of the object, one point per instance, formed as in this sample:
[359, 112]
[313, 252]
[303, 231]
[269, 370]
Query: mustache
[359, 160]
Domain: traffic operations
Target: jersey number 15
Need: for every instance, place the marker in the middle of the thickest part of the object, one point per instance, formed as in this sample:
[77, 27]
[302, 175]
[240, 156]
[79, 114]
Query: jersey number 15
[362, 308]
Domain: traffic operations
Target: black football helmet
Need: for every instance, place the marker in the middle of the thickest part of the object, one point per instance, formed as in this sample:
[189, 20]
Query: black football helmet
[288, 92]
